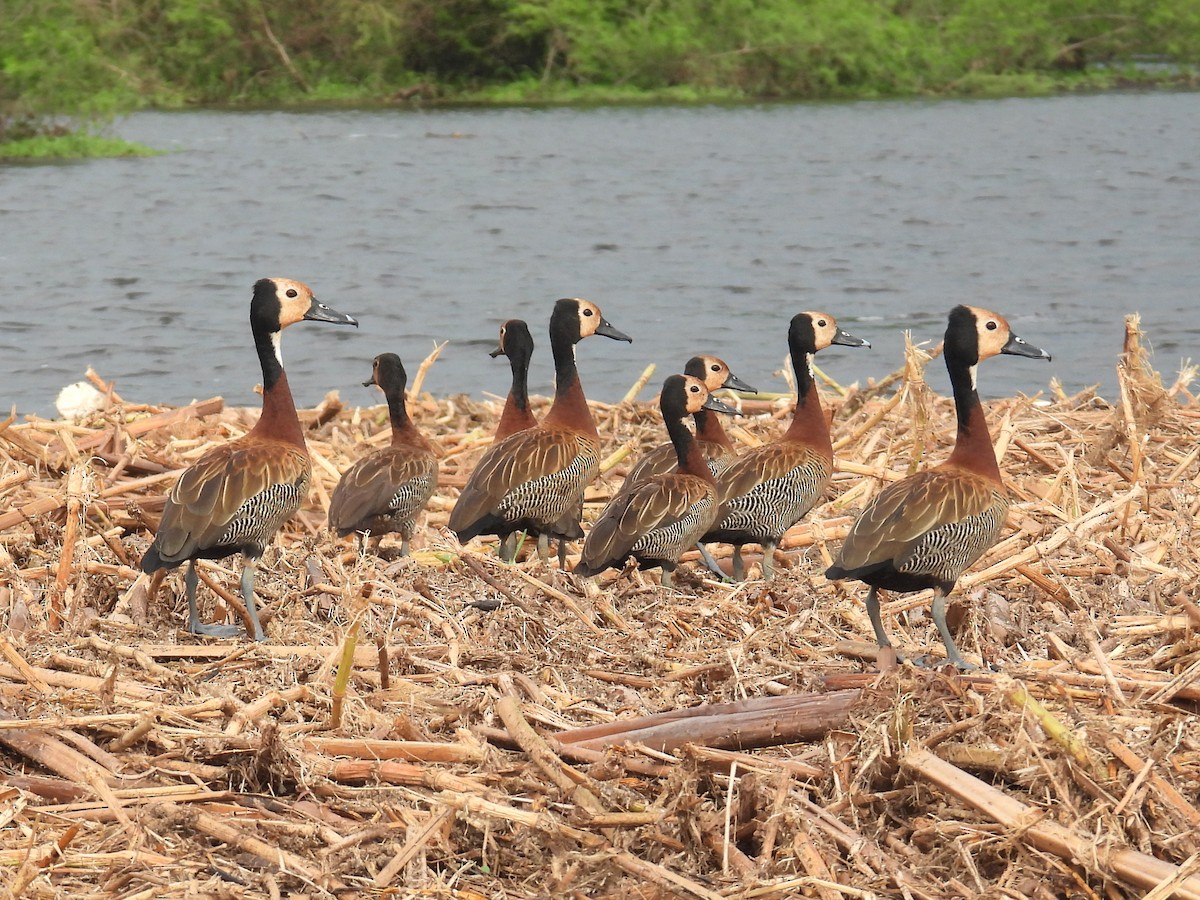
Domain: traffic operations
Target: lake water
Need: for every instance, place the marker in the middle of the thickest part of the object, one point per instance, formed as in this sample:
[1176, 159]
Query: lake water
[695, 229]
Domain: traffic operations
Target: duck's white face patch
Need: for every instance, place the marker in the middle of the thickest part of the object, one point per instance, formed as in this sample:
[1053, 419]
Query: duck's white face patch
[696, 393]
[589, 317]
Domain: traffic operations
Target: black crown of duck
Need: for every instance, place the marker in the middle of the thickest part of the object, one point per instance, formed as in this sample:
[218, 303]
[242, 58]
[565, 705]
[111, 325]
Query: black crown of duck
[384, 491]
[922, 532]
[534, 480]
[236, 496]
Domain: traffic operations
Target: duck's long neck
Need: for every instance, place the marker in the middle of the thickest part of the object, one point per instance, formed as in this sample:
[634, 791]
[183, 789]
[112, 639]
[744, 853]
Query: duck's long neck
[687, 451]
[709, 428]
[519, 393]
[403, 429]
[278, 420]
[516, 415]
[973, 447]
[569, 406]
[808, 421]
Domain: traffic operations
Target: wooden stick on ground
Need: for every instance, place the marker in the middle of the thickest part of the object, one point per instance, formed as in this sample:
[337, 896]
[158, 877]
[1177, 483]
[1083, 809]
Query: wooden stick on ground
[743, 725]
[417, 839]
[636, 387]
[567, 780]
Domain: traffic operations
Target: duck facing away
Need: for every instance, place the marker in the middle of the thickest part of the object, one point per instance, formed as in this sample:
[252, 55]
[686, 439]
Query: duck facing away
[658, 519]
[236, 496]
[534, 480]
[714, 444]
[384, 491]
[922, 532]
[517, 344]
[770, 488]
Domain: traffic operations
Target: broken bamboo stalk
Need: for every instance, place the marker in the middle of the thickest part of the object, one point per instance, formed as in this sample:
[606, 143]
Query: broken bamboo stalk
[1030, 825]
[412, 751]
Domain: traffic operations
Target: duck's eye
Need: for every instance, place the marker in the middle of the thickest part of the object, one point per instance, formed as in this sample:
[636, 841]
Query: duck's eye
[716, 368]
[587, 312]
[821, 324]
[992, 326]
[291, 292]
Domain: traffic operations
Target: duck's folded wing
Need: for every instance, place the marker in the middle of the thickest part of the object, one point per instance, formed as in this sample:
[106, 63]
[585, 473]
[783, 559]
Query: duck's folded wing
[903, 513]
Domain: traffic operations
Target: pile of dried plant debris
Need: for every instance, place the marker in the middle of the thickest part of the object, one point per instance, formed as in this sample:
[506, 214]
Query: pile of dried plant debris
[451, 726]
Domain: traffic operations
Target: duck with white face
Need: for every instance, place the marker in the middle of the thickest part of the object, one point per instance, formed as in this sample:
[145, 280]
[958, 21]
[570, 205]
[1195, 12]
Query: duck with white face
[534, 480]
[236, 496]
[922, 532]
[770, 488]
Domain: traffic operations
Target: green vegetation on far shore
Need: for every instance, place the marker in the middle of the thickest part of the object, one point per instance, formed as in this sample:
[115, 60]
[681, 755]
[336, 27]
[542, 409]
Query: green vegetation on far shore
[90, 61]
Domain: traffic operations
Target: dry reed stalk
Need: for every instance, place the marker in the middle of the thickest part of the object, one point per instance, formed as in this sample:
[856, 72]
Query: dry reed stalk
[279, 858]
[107, 388]
[564, 778]
[637, 386]
[615, 458]
[59, 599]
[417, 839]
[422, 370]
[345, 664]
[87, 683]
[713, 757]
[412, 751]
[253, 712]
[361, 771]
[608, 759]
[1029, 824]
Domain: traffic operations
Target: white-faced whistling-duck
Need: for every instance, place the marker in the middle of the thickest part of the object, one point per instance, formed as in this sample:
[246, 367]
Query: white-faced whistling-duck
[769, 488]
[922, 532]
[659, 518]
[711, 438]
[235, 497]
[533, 480]
[517, 344]
[384, 491]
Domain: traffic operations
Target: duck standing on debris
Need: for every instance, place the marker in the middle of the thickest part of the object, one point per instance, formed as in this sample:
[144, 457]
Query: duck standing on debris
[534, 480]
[385, 490]
[922, 532]
[236, 496]
[656, 520]
[770, 488]
[714, 444]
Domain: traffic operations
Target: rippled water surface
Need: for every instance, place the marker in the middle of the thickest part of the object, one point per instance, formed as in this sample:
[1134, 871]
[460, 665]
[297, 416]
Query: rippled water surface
[698, 229]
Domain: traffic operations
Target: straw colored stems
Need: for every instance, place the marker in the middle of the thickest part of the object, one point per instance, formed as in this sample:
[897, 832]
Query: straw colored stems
[1030, 825]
